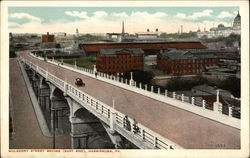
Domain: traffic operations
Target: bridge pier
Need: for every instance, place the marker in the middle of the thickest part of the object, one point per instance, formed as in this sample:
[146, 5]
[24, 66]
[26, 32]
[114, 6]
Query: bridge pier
[58, 111]
[85, 128]
[43, 94]
[58, 108]
[35, 84]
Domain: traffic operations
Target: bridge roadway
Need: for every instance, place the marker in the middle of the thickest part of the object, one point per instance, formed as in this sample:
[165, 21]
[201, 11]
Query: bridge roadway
[27, 134]
[187, 129]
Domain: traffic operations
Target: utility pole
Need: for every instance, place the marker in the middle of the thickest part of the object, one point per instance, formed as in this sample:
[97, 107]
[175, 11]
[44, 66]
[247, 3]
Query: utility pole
[54, 133]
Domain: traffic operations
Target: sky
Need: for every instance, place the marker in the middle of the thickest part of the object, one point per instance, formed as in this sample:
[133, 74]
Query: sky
[109, 19]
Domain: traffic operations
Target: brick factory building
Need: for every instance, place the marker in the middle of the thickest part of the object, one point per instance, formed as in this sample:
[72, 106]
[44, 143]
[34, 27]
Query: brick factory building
[185, 62]
[113, 61]
[147, 47]
[48, 38]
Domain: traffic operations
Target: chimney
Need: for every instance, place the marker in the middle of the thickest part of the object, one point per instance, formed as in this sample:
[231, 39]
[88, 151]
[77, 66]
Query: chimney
[47, 33]
[156, 30]
[181, 28]
[147, 30]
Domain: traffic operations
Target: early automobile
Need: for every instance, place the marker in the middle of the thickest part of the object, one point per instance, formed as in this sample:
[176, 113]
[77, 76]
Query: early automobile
[79, 82]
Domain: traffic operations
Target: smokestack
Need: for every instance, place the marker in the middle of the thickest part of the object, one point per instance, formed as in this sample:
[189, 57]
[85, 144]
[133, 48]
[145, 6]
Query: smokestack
[47, 33]
[156, 30]
[181, 28]
[123, 27]
[147, 30]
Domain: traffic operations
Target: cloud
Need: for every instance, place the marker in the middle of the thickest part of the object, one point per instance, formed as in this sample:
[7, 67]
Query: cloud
[13, 25]
[195, 15]
[24, 16]
[82, 15]
[148, 15]
[121, 14]
[137, 21]
[181, 15]
[100, 14]
[225, 14]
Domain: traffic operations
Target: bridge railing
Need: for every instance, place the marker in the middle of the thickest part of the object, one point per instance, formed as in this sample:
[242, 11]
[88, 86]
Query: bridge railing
[193, 105]
[104, 112]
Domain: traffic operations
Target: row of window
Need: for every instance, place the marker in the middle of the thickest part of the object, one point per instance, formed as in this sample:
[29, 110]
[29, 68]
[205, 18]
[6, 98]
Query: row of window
[186, 71]
[123, 61]
[119, 67]
[191, 66]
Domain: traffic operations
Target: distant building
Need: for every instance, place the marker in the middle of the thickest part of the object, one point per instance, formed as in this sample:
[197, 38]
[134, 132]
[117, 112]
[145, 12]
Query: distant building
[118, 36]
[113, 61]
[184, 62]
[147, 47]
[60, 34]
[65, 39]
[48, 38]
[221, 30]
[149, 34]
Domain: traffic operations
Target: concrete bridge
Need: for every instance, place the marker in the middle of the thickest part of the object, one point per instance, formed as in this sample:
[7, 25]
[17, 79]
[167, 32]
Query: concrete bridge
[164, 120]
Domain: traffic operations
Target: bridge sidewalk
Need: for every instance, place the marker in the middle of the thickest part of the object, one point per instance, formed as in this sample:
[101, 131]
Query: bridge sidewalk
[27, 134]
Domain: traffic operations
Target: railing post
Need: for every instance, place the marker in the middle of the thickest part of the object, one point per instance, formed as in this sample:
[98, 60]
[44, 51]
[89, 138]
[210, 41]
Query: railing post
[204, 104]
[46, 75]
[134, 84]
[192, 100]
[143, 134]
[159, 91]
[65, 88]
[152, 88]
[112, 117]
[146, 87]
[155, 142]
[174, 95]
[182, 97]
[126, 81]
[140, 85]
[96, 105]
[121, 79]
[230, 111]
[166, 93]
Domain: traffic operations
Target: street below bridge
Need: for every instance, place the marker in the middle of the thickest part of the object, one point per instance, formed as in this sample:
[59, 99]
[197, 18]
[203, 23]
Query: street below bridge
[26, 131]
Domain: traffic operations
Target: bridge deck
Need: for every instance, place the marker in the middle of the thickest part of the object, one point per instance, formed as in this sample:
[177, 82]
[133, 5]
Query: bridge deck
[184, 128]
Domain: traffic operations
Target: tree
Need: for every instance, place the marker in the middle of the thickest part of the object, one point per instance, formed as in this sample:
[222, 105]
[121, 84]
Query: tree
[231, 84]
[139, 76]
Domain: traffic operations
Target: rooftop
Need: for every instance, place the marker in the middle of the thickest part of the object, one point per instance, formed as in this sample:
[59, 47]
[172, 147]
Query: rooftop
[178, 54]
[113, 52]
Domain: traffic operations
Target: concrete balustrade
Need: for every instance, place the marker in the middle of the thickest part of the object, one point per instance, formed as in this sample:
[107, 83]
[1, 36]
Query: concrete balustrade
[167, 99]
[110, 113]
